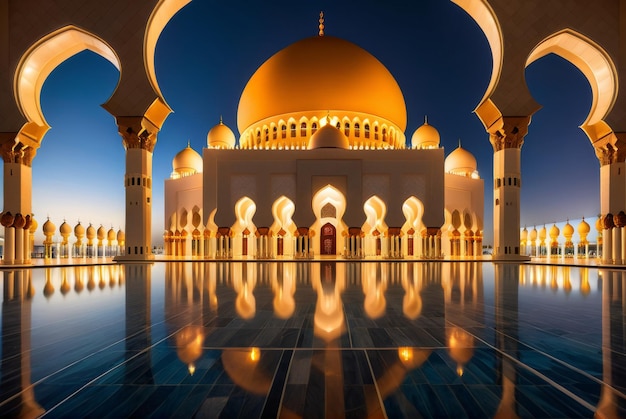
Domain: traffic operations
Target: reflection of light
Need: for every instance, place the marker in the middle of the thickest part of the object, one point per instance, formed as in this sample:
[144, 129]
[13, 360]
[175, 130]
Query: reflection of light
[459, 371]
[254, 354]
[191, 368]
[405, 353]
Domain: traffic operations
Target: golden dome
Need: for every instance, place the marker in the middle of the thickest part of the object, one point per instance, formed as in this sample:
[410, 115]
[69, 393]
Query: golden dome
[49, 228]
[599, 224]
[554, 231]
[321, 74]
[65, 229]
[426, 136]
[583, 228]
[91, 232]
[524, 234]
[121, 236]
[111, 235]
[460, 162]
[33, 225]
[101, 233]
[220, 136]
[568, 230]
[542, 233]
[328, 137]
[187, 162]
[79, 230]
[533, 234]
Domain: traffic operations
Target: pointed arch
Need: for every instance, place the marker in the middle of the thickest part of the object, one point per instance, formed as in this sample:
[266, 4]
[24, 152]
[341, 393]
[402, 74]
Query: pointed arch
[596, 65]
[485, 17]
[40, 60]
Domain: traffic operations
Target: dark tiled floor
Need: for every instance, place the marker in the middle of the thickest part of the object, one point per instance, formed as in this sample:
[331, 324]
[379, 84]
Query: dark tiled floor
[373, 339]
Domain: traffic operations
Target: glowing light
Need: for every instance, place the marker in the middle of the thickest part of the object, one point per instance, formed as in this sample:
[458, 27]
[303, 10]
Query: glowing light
[255, 354]
[405, 353]
[191, 368]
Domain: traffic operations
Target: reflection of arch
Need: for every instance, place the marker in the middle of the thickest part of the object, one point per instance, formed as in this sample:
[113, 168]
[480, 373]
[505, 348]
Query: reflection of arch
[593, 61]
[40, 60]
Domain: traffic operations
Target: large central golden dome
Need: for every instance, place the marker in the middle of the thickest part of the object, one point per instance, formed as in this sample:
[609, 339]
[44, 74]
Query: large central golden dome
[322, 74]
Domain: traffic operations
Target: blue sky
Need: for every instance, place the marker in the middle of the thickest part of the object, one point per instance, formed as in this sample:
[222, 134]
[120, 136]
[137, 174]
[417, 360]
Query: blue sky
[209, 50]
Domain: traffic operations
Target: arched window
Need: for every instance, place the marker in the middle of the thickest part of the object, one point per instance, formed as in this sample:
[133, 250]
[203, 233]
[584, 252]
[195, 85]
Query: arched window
[258, 137]
[293, 130]
[357, 129]
[283, 131]
[338, 125]
[346, 129]
[313, 128]
[376, 132]
[267, 134]
[366, 128]
[384, 134]
[303, 129]
[274, 133]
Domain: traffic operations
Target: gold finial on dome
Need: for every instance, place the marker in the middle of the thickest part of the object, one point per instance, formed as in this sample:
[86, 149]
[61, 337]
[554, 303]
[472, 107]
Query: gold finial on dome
[321, 26]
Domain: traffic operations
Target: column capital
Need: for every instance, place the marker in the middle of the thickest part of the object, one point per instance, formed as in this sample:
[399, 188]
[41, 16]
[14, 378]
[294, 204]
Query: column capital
[14, 151]
[508, 132]
[137, 132]
[611, 148]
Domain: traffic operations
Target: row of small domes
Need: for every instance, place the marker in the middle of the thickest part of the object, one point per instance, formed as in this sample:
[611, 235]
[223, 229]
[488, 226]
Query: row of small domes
[460, 161]
[568, 231]
[90, 232]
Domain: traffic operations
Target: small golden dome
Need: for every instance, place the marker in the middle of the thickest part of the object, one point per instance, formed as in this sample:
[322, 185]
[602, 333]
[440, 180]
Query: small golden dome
[111, 234]
[543, 233]
[554, 231]
[460, 162]
[121, 236]
[220, 136]
[91, 232]
[599, 224]
[524, 234]
[65, 229]
[583, 228]
[568, 230]
[33, 224]
[533, 234]
[425, 136]
[328, 137]
[49, 228]
[101, 233]
[79, 230]
[187, 162]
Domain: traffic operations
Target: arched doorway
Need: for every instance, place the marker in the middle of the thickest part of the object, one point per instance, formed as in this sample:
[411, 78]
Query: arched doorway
[328, 240]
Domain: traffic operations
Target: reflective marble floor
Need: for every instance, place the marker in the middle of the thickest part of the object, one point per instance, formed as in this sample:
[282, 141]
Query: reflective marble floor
[313, 339]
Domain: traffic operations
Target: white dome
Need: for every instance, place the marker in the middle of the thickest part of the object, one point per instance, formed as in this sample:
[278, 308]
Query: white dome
[426, 136]
[220, 136]
[187, 162]
[461, 162]
[328, 137]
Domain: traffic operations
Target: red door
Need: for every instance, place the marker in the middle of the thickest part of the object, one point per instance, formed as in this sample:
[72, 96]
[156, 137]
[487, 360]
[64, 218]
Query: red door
[328, 240]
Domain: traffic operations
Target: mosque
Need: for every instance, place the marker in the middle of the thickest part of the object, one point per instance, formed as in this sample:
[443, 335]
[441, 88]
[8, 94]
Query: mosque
[322, 168]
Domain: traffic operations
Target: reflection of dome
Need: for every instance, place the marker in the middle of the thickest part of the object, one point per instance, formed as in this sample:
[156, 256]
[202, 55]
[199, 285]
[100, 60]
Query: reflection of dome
[189, 341]
[328, 137]
[220, 136]
[460, 162]
[317, 75]
[187, 162]
[426, 136]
